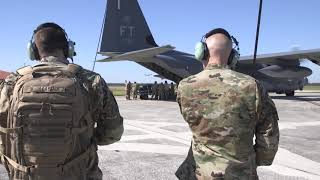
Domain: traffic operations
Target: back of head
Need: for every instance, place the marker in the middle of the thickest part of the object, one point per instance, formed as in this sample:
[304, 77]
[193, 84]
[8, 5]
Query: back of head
[216, 47]
[50, 38]
[219, 48]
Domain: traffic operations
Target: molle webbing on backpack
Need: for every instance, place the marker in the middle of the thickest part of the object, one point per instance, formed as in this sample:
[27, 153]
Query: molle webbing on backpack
[48, 113]
[60, 169]
[10, 130]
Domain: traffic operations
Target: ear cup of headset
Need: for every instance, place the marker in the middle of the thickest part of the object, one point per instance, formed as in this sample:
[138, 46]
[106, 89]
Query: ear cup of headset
[233, 58]
[71, 50]
[201, 51]
[30, 51]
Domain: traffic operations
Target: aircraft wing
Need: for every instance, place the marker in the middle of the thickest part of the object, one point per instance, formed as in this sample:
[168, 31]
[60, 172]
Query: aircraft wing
[285, 58]
[137, 56]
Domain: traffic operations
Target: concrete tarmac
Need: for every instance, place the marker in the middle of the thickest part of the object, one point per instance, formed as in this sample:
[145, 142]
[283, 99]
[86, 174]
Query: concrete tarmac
[156, 141]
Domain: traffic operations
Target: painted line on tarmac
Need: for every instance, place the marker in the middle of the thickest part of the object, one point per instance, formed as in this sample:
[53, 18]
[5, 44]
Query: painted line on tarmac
[294, 125]
[148, 148]
[291, 160]
[288, 172]
[285, 163]
[153, 132]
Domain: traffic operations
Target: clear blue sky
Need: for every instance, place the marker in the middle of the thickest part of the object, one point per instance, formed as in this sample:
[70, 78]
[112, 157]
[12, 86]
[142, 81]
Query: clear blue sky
[285, 24]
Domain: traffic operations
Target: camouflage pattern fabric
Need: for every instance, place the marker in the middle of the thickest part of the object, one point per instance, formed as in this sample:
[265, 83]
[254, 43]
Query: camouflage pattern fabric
[155, 91]
[172, 91]
[161, 91]
[104, 112]
[225, 110]
[166, 91]
[135, 88]
[128, 90]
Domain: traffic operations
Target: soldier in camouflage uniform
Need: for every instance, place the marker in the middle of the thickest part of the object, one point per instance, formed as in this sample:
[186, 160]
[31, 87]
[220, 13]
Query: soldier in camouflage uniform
[135, 88]
[155, 91]
[225, 110]
[172, 91]
[125, 88]
[166, 91]
[161, 91]
[128, 90]
[103, 110]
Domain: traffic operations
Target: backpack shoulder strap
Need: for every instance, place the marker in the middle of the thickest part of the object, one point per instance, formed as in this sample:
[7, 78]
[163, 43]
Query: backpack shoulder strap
[73, 68]
[25, 70]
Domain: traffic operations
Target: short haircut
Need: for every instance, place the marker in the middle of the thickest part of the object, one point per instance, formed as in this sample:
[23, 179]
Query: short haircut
[49, 40]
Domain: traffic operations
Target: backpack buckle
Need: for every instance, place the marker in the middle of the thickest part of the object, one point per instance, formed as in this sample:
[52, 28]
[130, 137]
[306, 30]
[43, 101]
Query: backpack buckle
[46, 106]
[60, 170]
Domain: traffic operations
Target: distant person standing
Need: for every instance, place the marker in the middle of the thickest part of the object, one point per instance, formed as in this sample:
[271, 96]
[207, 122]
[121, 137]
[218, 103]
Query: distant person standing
[172, 91]
[225, 110]
[166, 91]
[128, 90]
[161, 91]
[125, 88]
[155, 90]
[135, 88]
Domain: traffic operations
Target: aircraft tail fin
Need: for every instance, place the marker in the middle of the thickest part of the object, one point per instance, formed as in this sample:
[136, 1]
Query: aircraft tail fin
[125, 28]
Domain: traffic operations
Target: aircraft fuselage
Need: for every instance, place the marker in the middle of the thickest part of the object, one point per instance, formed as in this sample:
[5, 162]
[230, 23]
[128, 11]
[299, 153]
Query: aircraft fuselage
[175, 66]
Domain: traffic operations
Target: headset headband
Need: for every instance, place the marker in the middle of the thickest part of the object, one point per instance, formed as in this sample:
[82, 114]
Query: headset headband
[218, 31]
[224, 32]
[48, 25]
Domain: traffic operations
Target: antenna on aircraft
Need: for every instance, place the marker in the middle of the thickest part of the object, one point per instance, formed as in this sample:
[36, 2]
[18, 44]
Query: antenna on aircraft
[257, 33]
[102, 27]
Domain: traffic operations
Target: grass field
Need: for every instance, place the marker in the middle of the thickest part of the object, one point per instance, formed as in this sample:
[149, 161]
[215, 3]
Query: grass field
[117, 90]
[312, 88]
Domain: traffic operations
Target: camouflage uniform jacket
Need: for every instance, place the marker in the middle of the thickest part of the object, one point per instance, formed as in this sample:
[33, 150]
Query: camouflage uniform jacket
[104, 111]
[225, 110]
[135, 87]
[154, 87]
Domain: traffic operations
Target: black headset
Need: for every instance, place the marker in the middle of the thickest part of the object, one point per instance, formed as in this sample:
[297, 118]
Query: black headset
[202, 51]
[68, 50]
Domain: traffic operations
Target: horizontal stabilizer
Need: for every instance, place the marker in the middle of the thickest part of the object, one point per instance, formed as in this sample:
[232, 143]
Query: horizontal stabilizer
[276, 71]
[286, 58]
[137, 56]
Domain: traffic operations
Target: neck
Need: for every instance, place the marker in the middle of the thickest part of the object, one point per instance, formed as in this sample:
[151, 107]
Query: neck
[58, 54]
[53, 58]
[214, 61]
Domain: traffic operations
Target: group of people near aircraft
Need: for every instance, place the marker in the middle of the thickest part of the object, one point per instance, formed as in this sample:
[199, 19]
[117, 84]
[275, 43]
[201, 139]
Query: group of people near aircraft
[131, 90]
[163, 91]
[157, 91]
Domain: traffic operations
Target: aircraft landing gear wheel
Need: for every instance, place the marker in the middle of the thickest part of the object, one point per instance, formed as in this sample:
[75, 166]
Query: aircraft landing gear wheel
[290, 93]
